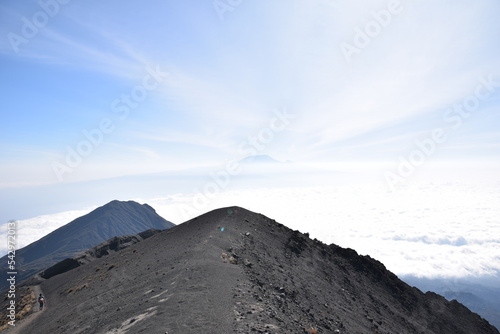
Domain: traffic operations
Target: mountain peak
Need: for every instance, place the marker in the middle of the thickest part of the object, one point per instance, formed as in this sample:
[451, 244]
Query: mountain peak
[113, 219]
[235, 271]
[123, 204]
[259, 159]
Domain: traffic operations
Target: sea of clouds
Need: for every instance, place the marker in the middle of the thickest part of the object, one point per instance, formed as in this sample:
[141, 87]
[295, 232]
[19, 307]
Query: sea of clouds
[30, 230]
[429, 230]
[432, 230]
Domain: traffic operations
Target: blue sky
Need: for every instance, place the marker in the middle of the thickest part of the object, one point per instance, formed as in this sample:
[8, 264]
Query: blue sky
[223, 71]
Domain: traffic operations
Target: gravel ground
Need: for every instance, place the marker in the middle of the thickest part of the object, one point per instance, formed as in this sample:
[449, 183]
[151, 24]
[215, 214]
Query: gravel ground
[235, 271]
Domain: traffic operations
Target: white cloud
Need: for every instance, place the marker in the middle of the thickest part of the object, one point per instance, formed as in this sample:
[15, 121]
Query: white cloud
[431, 230]
[30, 230]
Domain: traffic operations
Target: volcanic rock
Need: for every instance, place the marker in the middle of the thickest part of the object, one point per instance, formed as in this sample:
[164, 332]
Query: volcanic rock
[235, 271]
[113, 219]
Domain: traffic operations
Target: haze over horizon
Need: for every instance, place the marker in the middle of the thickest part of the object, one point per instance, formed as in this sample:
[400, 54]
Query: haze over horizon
[387, 110]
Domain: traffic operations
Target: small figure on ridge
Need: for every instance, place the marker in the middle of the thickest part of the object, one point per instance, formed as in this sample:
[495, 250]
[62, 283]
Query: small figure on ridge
[41, 301]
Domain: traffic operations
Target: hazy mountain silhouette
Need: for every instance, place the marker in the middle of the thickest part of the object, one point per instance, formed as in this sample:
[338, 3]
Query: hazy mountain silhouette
[477, 294]
[235, 271]
[113, 219]
[259, 159]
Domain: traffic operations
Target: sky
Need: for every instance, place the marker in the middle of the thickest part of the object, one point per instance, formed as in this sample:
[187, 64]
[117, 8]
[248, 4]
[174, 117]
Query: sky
[403, 91]
[99, 90]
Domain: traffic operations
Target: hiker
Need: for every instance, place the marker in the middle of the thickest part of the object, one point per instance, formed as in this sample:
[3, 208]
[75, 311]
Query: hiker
[41, 300]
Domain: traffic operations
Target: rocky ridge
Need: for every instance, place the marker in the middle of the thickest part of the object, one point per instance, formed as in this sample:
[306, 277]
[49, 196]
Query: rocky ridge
[235, 271]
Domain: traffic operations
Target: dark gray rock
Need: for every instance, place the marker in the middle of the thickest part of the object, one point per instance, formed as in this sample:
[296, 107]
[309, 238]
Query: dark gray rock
[113, 219]
[181, 281]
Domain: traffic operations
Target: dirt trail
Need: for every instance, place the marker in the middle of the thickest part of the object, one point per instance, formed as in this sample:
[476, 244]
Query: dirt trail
[35, 313]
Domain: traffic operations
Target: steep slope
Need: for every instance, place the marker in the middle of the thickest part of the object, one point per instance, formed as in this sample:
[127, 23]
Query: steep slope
[234, 271]
[113, 219]
[114, 244]
[29, 287]
[478, 294]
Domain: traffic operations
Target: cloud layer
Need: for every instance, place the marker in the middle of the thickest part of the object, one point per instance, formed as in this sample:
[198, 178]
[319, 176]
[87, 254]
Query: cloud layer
[431, 230]
[428, 230]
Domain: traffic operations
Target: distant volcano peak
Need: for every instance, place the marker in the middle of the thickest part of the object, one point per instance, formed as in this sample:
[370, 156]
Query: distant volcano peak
[259, 159]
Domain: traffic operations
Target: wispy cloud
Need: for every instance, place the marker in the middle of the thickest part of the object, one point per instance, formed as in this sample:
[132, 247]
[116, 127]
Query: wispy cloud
[171, 136]
[225, 78]
[89, 56]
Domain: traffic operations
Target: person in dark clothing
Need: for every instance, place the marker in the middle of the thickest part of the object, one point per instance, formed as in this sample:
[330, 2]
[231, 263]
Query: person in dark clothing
[41, 301]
